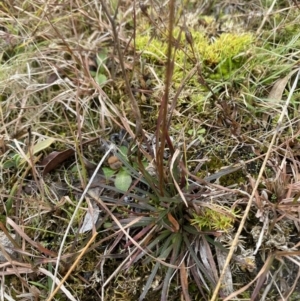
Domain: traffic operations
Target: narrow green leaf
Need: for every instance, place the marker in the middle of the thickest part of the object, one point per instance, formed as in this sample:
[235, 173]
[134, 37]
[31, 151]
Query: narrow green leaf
[37, 284]
[149, 281]
[101, 58]
[39, 147]
[42, 145]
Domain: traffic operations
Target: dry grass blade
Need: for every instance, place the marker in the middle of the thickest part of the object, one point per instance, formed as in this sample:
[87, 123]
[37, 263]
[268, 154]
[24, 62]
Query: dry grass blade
[184, 282]
[202, 271]
[28, 239]
[59, 284]
[279, 87]
[266, 17]
[187, 98]
[264, 269]
[74, 214]
[207, 258]
[134, 103]
[72, 267]
[174, 157]
[296, 281]
[247, 210]
[227, 286]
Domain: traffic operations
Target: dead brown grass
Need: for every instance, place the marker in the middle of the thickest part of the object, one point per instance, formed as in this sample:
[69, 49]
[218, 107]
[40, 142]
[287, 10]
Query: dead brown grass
[198, 132]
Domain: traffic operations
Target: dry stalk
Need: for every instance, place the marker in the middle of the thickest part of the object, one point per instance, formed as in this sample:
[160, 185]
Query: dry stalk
[162, 122]
[134, 104]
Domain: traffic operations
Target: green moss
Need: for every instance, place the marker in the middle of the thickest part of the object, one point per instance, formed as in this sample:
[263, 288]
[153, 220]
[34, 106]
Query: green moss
[219, 219]
[219, 57]
[151, 48]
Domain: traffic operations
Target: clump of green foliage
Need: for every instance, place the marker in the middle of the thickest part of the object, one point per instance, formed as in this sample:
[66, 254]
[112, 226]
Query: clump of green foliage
[212, 219]
[219, 58]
